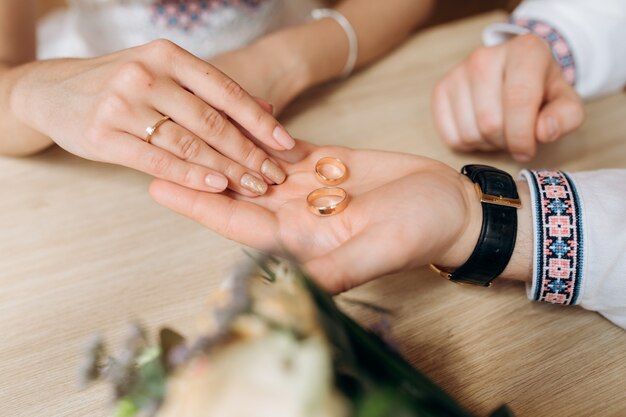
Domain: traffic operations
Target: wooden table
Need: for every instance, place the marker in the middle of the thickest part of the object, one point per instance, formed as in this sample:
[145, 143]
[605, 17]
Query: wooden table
[84, 248]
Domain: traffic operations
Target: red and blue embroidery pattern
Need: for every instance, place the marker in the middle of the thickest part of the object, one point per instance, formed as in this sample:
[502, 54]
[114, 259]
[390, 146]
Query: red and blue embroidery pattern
[190, 14]
[559, 237]
[558, 44]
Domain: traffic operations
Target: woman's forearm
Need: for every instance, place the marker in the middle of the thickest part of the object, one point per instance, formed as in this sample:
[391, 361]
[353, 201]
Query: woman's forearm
[17, 47]
[16, 138]
[317, 51]
[17, 31]
[382, 25]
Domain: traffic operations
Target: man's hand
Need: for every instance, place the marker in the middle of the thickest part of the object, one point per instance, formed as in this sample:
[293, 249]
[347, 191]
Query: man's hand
[405, 211]
[511, 96]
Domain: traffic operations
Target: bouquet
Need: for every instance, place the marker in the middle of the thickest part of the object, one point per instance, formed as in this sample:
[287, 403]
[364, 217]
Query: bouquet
[274, 345]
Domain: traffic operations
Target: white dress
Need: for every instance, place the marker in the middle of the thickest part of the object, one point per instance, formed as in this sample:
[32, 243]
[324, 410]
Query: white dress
[206, 28]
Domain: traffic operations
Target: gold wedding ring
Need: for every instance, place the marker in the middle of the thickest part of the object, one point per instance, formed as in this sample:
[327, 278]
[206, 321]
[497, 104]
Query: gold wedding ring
[327, 201]
[151, 130]
[331, 171]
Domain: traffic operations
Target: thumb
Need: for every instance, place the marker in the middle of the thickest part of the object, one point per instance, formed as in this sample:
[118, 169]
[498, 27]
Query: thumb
[563, 113]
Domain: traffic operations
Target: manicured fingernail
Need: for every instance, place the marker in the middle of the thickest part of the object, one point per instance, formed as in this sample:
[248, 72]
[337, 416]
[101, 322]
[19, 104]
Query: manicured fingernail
[552, 128]
[283, 138]
[254, 184]
[273, 172]
[219, 182]
[521, 157]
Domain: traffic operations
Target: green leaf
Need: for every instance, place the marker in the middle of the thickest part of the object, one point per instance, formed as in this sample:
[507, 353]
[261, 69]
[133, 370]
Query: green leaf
[125, 408]
[361, 353]
[386, 402]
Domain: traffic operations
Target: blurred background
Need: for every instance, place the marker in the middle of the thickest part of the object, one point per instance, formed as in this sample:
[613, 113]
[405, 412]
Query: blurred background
[446, 9]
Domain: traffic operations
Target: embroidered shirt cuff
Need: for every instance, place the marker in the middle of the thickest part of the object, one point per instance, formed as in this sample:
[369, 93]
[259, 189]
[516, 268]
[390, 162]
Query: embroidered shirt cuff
[558, 237]
[561, 49]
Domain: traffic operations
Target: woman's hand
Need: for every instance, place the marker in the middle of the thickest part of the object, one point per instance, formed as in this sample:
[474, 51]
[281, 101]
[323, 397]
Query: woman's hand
[405, 211]
[100, 108]
[508, 97]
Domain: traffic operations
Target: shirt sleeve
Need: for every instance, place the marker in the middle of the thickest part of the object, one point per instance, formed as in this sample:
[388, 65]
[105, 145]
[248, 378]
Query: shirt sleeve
[580, 240]
[590, 33]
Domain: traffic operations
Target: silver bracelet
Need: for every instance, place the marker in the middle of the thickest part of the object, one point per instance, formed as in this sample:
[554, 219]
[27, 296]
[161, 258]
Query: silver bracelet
[353, 42]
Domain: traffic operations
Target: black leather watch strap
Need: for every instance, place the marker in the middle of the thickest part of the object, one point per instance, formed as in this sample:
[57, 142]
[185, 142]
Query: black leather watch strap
[499, 200]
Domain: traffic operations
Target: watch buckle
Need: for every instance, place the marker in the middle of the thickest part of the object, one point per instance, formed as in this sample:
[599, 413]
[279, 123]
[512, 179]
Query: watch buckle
[496, 199]
[442, 272]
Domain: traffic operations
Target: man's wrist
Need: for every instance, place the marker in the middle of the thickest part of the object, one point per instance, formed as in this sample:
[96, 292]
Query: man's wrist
[560, 48]
[466, 239]
[520, 264]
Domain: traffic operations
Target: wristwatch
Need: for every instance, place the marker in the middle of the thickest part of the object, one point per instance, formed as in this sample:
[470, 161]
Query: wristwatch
[497, 192]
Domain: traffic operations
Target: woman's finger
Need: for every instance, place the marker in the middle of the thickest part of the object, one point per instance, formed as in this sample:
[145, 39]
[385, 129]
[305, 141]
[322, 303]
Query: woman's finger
[214, 128]
[186, 146]
[132, 152]
[222, 93]
[268, 107]
[293, 155]
[241, 221]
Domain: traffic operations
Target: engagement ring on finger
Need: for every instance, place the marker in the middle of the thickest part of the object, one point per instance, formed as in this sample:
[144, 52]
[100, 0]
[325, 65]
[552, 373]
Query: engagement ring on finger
[151, 130]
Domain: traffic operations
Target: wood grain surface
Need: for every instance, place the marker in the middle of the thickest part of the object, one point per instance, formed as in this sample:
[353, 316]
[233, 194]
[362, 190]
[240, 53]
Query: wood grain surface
[83, 248]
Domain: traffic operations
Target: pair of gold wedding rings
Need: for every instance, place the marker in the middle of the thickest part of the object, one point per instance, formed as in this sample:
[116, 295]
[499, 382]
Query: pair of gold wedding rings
[327, 201]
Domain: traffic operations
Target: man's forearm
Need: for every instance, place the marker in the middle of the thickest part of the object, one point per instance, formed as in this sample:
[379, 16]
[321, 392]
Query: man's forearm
[520, 266]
